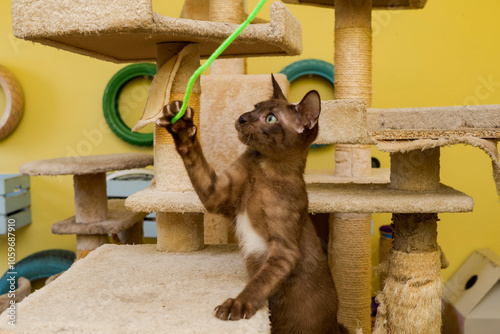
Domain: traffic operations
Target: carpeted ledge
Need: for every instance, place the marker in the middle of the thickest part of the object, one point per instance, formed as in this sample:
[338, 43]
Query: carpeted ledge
[137, 289]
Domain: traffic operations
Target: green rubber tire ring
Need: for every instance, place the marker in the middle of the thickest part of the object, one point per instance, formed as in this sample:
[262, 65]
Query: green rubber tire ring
[110, 103]
[307, 67]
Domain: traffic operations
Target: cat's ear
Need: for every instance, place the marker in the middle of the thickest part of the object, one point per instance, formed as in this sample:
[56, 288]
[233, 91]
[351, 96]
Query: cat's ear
[277, 93]
[309, 108]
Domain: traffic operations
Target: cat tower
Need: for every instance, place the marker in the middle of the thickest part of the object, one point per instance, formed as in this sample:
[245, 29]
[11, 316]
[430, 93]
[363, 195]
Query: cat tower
[411, 299]
[139, 288]
[172, 286]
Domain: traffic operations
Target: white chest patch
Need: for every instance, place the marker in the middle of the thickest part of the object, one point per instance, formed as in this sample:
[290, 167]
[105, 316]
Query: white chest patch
[251, 242]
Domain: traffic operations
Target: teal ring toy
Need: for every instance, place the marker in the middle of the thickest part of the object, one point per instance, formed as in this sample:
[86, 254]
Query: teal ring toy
[310, 67]
[42, 264]
[112, 96]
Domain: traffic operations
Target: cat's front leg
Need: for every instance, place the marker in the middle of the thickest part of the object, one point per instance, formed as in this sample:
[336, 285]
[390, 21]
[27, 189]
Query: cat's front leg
[281, 235]
[217, 193]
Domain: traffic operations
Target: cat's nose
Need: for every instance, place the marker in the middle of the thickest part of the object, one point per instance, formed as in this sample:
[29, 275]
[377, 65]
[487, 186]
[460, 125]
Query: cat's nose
[242, 119]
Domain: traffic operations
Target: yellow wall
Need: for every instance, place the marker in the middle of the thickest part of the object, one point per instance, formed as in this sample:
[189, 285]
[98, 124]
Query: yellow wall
[438, 56]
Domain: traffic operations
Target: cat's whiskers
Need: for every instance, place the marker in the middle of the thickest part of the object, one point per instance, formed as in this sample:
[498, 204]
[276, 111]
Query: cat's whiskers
[247, 138]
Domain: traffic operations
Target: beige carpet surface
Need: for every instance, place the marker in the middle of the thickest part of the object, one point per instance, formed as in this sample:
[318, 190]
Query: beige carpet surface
[119, 219]
[137, 289]
[325, 198]
[489, 146]
[87, 164]
[362, 198]
[379, 4]
[378, 175]
[128, 31]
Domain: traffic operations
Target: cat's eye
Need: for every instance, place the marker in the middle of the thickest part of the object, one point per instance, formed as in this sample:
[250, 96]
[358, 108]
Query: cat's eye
[271, 119]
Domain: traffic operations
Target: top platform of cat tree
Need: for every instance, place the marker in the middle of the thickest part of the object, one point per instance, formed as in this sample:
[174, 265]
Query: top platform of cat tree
[92, 164]
[377, 4]
[128, 31]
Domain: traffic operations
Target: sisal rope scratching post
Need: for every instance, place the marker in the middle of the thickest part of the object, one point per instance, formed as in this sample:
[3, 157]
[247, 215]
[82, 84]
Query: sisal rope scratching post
[411, 300]
[177, 232]
[351, 266]
[227, 11]
[384, 249]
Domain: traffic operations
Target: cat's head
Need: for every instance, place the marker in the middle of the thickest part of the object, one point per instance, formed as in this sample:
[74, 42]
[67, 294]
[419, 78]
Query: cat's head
[278, 127]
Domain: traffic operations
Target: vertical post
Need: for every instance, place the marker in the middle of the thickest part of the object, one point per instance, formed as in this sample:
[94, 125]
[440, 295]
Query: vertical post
[227, 11]
[350, 243]
[411, 300]
[217, 228]
[91, 199]
[91, 206]
[86, 243]
[177, 232]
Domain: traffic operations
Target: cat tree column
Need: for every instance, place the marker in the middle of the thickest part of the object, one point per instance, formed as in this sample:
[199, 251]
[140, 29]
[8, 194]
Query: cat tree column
[227, 11]
[177, 232]
[218, 228]
[411, 299]
[351, 266]
[91, 206]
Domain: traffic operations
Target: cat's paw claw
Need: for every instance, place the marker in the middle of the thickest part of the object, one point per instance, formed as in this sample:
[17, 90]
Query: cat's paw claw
[234, 309]
[172, 109]
[192, 131]
[188, 115]
[184, 127]
[162, 122]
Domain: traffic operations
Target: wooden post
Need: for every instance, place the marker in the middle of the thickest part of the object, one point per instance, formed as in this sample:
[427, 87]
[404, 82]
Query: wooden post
[177, 232]
[350, 242]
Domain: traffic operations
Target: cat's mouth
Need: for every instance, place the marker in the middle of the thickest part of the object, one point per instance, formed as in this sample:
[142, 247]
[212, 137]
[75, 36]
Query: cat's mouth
[244, 135]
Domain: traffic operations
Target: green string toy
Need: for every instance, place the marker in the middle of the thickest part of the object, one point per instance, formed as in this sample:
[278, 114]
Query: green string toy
[214, 56]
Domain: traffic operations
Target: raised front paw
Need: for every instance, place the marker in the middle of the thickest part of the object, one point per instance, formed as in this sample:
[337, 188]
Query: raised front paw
[184, 128]
[235, 309]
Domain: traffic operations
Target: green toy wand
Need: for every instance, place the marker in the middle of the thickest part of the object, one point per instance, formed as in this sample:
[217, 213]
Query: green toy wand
[214, 55]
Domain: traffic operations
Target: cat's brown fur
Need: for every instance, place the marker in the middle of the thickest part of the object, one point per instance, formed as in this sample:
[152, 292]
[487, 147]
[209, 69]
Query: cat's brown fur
[264, 193]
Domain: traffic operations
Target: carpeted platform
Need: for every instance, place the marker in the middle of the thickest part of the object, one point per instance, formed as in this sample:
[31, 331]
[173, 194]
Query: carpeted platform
[125, 31]
[377, 4]
[137, 289]
[325, 198]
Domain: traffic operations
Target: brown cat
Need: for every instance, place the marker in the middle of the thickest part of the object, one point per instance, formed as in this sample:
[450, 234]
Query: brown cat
[264, 193]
